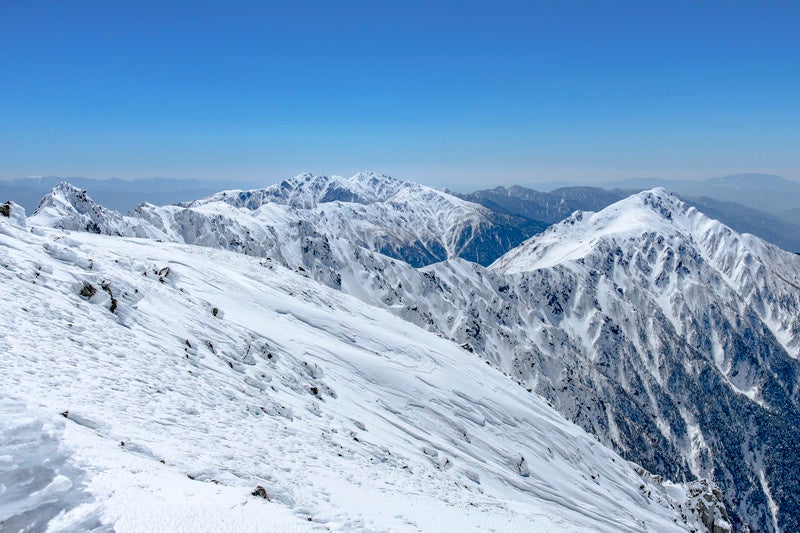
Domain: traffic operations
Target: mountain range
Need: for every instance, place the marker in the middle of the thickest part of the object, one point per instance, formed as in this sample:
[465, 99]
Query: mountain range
[761, 204]
[115, 193]
[151, 385]
[666, 334]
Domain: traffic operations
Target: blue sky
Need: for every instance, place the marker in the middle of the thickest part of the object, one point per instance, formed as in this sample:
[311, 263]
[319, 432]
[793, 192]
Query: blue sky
[460, 94]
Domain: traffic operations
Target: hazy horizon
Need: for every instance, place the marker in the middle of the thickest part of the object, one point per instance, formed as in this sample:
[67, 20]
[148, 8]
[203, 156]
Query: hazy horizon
[455, 186]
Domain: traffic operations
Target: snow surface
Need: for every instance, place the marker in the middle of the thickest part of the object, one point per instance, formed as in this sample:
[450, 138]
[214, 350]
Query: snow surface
[189, 376]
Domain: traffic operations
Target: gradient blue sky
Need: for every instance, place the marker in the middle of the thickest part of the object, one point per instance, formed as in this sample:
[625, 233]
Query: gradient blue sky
[459, 94]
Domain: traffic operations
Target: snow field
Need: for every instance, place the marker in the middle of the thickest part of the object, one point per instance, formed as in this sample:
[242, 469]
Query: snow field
[236, 373]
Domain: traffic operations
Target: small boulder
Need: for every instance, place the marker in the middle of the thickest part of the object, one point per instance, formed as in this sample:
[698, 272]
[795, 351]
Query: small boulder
[260, 492]
[88, 290]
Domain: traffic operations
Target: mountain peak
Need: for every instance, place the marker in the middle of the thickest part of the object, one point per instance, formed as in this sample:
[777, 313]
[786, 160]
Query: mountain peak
[69, 207]
[65, 196]
[655, 210]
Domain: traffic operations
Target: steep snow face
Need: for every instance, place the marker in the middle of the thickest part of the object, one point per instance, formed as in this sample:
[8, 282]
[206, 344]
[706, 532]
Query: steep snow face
[184, 378]
[662, 235]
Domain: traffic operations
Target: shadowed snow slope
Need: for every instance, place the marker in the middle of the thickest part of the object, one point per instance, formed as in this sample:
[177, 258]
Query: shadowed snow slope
[189, 376]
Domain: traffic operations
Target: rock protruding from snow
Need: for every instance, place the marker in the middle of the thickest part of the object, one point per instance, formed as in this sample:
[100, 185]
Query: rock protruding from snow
[705, 500]
[12, 213]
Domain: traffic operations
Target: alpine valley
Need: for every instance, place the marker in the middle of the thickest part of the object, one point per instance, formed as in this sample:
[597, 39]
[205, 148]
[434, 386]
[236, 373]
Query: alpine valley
[367, 353]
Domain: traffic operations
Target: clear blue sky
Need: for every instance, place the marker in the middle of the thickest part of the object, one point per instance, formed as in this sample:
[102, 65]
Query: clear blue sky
[452, 94]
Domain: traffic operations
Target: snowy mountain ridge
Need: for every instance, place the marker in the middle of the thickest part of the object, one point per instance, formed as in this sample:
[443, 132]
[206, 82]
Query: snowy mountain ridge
[306, 191]
[404, 220]
[178, 398]
[70, 208]
[780, 229]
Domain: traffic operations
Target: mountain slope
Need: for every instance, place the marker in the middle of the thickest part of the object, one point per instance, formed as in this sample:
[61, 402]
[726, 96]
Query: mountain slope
[775, 229]
[701, 320]
[187, 377]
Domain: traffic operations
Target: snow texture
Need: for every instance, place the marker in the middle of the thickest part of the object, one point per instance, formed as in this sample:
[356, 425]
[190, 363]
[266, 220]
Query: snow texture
[183, 378]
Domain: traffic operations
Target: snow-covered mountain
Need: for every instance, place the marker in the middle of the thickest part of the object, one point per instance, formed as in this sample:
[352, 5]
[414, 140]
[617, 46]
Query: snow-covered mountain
[67, 207]
[665, 333]
[400, 219]
[157, 386]
[118, 194]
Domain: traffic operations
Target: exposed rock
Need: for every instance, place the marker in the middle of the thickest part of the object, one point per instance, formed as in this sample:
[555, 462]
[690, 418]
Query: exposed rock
[260, 492]
[88, 290]
[706, 501]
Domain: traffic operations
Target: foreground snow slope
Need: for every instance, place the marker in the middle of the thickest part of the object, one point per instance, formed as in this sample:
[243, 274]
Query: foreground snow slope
[188, 376]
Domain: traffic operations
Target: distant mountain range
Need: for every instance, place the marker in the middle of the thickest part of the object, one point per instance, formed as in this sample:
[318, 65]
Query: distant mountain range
[399, 219]
[760, 191]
